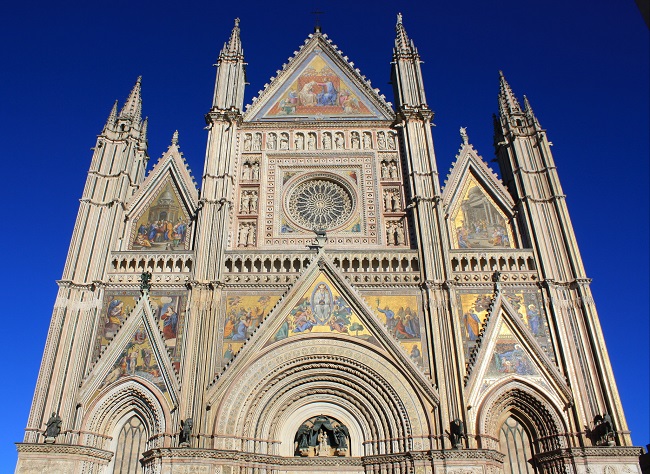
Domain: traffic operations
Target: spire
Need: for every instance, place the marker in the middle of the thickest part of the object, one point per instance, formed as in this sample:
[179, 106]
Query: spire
[233, 47]
[112, 117]
[507, 101]
[403, 45]
[133, 105]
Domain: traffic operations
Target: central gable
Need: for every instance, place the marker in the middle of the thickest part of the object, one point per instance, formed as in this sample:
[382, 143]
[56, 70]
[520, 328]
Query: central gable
[319, 84]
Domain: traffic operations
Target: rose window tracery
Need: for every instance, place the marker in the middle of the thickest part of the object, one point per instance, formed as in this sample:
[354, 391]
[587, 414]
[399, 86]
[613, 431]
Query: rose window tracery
[320, 204]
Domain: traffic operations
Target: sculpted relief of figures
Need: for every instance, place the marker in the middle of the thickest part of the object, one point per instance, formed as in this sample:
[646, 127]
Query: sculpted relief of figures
[386, 141]
[248, 202]
[246, 234]
[252, 142]
[389, 170]
[392, 202]
[250, 170]
[395, 233]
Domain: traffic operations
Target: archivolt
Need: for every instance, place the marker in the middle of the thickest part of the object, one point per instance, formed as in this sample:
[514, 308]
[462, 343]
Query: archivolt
[528, 404]
[360, 381]
[126, 396]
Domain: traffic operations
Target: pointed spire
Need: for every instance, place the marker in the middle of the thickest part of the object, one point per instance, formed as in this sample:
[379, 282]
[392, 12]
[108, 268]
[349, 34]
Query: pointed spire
[112, 117]
[233, 47]
[175, 138]
[507, 101]
[403, 45]
[133, 105]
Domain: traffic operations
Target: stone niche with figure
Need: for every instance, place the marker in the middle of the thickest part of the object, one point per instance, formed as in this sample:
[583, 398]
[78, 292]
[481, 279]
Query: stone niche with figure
[322, 436]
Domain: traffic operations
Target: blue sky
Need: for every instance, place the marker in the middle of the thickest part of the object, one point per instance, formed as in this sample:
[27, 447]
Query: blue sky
[583, 65]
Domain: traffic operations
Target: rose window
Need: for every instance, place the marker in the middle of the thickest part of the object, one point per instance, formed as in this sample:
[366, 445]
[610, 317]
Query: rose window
[320, 204]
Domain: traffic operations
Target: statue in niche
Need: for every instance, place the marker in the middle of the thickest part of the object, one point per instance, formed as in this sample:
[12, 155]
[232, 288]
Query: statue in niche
[246, 171]
[271, 141]
[394, 198]
[243, 235]
[299, 141]
[244, 205]
[367, 141]
[323, 448]
[252, 209]
[247, 142]
[311, 141]
[384, 170]
[399, 234]
[390, 233]
[388, 197]
[355, 141]
[327, 141]
[284, 141]
[339, 141]
[257, 142]
[302, 440]
[322, 436]
[52, 428]
[392, 169]
[256, 171]
[391, 141]
[381, 140]
[250, 238]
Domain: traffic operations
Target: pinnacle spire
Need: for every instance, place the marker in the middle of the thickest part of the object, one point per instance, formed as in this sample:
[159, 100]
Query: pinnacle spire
[234, 42]
[508, 103]
[175, 138]
[403, 45]
[133, 105]
[112, 117]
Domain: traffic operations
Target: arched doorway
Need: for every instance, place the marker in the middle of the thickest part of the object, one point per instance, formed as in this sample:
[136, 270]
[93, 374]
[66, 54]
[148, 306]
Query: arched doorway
[515, 443]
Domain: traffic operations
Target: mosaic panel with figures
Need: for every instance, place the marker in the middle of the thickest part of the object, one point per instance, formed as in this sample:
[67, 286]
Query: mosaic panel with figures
[527, 302]
[477, 222]
[244, 313]
[169, 313]
[318, 89]
[163, 225]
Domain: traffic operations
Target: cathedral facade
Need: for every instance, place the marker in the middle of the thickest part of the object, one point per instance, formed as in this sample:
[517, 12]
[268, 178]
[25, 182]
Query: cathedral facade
[321, 303]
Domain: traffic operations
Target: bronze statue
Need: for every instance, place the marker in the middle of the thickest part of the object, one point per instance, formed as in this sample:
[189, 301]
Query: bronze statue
[186, 431]
[53, 427]
[603, 432]
[456, 433]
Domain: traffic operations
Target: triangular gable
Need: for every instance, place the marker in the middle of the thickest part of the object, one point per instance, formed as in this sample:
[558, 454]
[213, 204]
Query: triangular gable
[478, 206]
[319, 83]
[137, 351]
[160, 213]
[349, 316]
[508, 350]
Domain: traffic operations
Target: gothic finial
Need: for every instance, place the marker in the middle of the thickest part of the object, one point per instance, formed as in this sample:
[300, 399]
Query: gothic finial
[508, 103]
[529, 110]
[234, 42]
[463, 135]
[403, 45]
[133, 106]
[175, 138]
[112, 117]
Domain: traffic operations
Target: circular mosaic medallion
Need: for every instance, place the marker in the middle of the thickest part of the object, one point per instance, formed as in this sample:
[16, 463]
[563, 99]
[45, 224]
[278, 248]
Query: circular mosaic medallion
[320, 204]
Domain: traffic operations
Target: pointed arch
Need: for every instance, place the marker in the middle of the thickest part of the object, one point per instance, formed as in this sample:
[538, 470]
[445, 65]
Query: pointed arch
[541, 418]
[126, 398]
